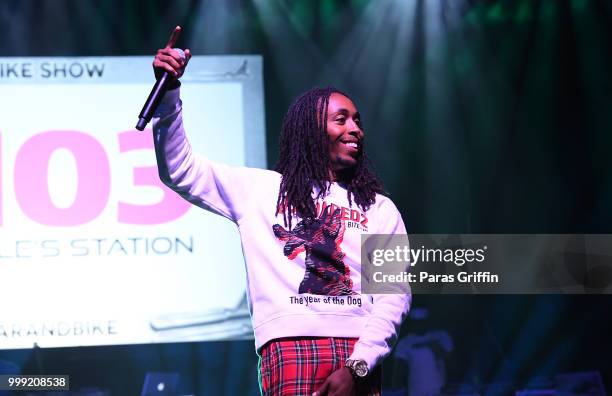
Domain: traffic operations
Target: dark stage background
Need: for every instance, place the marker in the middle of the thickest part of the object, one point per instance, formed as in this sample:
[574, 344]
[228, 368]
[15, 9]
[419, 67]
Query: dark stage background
[480, 117]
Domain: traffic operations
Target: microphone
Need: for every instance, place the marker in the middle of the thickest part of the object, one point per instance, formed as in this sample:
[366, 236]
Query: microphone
[156, 95]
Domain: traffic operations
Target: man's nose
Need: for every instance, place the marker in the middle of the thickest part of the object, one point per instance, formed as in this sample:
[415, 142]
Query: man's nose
[355, 130]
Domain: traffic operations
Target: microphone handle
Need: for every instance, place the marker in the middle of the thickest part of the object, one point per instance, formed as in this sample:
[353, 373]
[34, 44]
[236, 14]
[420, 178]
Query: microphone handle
[156, 95]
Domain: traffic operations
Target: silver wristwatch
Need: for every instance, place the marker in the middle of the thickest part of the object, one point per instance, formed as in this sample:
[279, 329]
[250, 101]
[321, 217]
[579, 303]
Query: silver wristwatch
[359, 368]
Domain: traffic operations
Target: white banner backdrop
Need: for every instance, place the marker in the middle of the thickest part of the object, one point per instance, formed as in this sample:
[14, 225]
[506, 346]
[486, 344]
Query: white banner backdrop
[94, 250]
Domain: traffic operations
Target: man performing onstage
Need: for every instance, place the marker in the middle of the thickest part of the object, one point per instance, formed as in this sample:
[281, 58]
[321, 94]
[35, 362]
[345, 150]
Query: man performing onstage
[314, 331]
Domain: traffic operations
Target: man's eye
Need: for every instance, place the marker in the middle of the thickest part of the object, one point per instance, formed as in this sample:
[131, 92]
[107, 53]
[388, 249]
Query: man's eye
[358, 121]
[340, 120]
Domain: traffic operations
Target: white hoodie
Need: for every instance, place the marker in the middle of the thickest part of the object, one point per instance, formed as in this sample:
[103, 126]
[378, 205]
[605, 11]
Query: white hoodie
[300, 282]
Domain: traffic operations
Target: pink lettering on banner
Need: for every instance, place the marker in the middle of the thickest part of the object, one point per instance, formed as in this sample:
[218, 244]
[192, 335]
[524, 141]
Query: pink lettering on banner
[171, 207]
[32, 189]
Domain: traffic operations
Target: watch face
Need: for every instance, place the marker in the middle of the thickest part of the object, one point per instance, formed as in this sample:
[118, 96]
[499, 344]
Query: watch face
[361, 368]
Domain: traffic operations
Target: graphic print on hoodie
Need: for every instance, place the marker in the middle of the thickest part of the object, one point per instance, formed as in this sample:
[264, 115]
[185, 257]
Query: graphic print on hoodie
[319, 238]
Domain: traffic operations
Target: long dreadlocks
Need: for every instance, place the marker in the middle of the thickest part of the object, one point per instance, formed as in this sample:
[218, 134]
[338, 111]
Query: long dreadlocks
[304, 161]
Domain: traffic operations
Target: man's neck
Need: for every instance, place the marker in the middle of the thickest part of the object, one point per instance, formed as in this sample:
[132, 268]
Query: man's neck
[341, 176]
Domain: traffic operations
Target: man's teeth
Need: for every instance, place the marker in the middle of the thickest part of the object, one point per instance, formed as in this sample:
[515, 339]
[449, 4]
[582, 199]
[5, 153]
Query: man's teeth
[351, 144]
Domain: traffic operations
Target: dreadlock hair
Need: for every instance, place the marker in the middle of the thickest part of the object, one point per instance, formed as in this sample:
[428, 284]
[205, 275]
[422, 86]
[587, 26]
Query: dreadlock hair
[304, 161]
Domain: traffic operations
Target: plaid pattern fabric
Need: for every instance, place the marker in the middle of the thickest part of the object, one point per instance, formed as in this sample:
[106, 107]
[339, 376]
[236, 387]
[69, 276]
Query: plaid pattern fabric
[299, 365]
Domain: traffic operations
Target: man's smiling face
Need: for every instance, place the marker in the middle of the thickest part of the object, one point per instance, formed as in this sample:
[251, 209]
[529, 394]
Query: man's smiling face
[344, 132]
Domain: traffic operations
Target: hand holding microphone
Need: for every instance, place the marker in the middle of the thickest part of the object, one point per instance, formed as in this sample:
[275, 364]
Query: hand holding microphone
[169, 65]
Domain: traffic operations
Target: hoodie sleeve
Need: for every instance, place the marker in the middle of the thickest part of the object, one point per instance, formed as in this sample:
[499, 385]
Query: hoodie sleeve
[218, 188]
[389, 310]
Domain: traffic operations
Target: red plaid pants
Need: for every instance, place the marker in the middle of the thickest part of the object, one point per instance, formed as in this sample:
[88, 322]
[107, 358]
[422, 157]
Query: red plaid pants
[298, 366]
